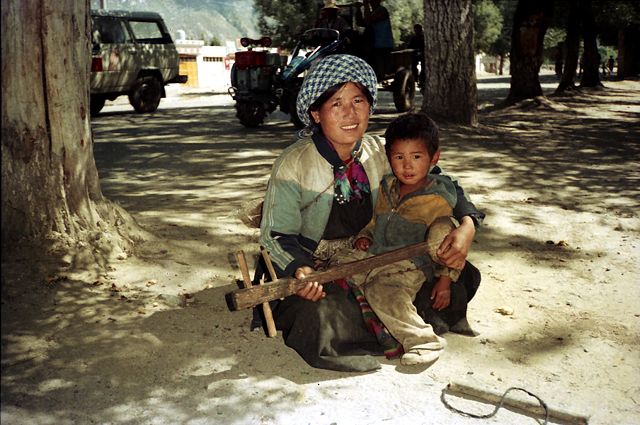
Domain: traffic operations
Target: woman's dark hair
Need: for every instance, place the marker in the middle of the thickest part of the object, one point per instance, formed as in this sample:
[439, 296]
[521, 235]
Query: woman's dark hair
[414, 125]
[317, 104]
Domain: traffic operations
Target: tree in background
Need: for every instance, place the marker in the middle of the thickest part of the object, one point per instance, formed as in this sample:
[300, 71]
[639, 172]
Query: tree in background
[487, 25]
[619, 25]
[285, 20]
[571, 47]
[51, 196]
[592, 59]
[530, 23]
[502, 45]
[404, 15]
[450, 86]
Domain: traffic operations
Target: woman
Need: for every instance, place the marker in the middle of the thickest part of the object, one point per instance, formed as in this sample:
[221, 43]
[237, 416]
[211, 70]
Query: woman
[321, 193]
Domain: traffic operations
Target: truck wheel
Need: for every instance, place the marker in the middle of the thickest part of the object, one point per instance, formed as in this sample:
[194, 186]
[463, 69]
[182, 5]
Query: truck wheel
[96, 104]
[145, 94]
[250, 113]
[404, 90]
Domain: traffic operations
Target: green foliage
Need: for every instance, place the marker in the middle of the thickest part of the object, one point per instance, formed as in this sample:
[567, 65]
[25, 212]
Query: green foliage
[284, 20]
[554, 36]
[404, 15]
[606, 51]
[502, 45]
[487, 23]
[612, 16]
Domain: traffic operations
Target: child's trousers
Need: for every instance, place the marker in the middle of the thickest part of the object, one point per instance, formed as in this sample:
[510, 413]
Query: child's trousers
[390, 291]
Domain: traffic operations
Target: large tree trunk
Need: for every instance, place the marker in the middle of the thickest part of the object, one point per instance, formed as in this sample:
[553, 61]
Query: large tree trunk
[51, 196]
[592, 59]
[450, 88]
[572, 49]
[629, 51]
[530, 23]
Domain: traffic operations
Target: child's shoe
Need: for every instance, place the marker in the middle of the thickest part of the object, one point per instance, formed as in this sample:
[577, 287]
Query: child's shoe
[422, 354]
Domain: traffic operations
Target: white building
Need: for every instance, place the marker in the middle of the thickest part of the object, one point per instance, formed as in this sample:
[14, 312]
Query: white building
[208, 67]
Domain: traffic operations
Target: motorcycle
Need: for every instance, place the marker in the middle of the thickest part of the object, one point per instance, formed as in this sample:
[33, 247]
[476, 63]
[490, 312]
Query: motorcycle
[262, 81]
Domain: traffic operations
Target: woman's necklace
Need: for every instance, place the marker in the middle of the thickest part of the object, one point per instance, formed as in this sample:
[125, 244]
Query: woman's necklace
[350, 178]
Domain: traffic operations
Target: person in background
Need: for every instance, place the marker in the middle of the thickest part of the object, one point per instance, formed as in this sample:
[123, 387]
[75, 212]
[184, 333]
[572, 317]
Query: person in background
[611, 63]
[416, 42]
[377, 23]
[329, 18]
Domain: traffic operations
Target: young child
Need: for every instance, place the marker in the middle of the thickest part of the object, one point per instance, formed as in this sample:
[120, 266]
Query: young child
[412, 206]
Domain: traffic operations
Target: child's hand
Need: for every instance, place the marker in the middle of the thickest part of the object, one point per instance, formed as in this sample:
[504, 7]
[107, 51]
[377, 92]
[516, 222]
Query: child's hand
[441, 293]
[362, 244]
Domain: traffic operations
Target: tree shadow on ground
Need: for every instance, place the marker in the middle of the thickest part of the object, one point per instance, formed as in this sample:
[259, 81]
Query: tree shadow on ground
[132, 360]
[103, 352]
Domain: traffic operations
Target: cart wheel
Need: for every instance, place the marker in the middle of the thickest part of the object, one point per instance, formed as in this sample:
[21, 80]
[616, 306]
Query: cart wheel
[251, 114]
[404, 90]
[293, 111]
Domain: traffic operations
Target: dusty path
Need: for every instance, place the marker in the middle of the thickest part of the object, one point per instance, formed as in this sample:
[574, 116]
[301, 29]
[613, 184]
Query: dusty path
[560, 250]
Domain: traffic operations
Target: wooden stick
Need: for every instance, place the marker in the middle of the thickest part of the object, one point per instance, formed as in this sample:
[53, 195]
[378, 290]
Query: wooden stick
[250, 297]
[242, 263]
[266, 308]
[526, 405]
[268, 314]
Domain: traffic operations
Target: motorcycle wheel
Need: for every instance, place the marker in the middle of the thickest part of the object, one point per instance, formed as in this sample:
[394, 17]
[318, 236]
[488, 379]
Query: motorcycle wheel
[251, 114]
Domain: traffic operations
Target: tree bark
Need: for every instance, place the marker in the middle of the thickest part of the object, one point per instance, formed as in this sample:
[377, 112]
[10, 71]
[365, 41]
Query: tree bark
[592, 59]
[530, 23]
[51, 196]
[450, 88]
[572, 49]
[629, 51]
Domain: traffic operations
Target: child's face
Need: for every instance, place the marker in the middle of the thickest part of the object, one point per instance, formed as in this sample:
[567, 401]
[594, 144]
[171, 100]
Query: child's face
[410, 162]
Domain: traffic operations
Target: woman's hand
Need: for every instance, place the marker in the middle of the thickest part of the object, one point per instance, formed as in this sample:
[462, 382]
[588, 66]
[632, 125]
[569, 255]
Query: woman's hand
[362, 244]
[312, 290]
[454, 248]
[441, 293]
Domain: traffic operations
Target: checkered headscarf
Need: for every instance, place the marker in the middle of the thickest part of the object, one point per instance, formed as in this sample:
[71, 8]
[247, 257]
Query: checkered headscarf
[332, 70]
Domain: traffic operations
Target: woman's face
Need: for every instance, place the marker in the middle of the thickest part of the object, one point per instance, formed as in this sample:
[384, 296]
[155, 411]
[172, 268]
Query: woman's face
[344, 117]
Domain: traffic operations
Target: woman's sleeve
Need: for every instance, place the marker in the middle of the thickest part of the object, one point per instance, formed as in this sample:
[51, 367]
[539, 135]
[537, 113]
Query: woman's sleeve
[281, 223]
[464, 206]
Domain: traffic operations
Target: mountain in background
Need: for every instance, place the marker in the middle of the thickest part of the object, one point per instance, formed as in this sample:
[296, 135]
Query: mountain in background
[223, 20]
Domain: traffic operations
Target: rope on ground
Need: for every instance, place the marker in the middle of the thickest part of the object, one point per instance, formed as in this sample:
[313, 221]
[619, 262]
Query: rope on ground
[502, 400]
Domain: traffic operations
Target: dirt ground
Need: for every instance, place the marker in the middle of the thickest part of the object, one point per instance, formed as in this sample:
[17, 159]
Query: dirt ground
[151, 341]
